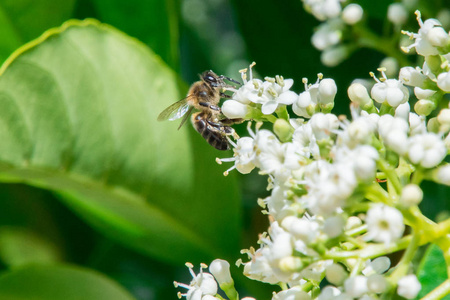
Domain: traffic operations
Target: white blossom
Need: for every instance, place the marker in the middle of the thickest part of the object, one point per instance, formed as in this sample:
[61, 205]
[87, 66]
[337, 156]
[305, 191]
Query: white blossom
[294, 293]
[428, 38]
[394, 131]
[384, 224]
[426, 150]
[412, 76]
[391, 91]
[202, 284]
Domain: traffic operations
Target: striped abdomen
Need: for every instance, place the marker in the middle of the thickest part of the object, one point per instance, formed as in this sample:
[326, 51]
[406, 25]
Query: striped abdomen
[213, 132]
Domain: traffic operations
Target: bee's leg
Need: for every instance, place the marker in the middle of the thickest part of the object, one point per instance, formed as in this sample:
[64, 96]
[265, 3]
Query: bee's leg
[228, 122]
[223, 95]
[229, 79]
[221, 127]
[211, 106]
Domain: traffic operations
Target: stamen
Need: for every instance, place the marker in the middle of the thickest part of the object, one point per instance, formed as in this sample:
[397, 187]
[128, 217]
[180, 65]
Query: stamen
[243, 75]
[269, 79]
[280, 80]
[251, 66]
[320, 76]
[305, 82]
[419, 18]
[373, 76]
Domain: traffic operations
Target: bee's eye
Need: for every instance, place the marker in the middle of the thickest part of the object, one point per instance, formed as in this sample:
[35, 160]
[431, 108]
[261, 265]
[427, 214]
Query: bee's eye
[211, 79]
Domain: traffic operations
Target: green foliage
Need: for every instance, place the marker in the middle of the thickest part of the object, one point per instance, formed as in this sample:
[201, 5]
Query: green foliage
[59, 282]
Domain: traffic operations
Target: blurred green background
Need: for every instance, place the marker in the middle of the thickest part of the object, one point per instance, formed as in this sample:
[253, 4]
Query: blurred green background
[213, 216]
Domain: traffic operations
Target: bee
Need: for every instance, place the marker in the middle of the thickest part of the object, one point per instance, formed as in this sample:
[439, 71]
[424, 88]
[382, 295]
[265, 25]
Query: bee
[204, 96]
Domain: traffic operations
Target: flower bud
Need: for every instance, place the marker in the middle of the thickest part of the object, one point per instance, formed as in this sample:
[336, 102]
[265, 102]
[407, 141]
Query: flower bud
[283, 129]
[397, 14]
[333, 56]
[442, 174]
[352, 14]
[233, 109]
[411, 195]
[433, 125]
[423, 94]
[377, 266]
[390, 90]
[327, 91]
[391, 66]
[333, 226]
[221, 271]
[358, 94]
[336, 274]
[424, 107]
[377, 283]
[438, 37]
[408, 286]
[356, 286]
[443, 81]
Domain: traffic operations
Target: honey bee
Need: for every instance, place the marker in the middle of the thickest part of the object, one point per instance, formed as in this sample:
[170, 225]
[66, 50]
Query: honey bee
[204, 95]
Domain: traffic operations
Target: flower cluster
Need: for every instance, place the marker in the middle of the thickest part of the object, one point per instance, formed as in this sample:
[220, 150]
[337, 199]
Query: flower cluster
[344, 192]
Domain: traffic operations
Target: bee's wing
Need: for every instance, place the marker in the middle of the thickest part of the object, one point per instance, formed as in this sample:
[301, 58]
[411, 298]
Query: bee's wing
[186, 116]
[175, 111]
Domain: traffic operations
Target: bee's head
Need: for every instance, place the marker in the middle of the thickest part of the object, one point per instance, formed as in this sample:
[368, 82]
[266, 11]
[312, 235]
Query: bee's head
[211, 78]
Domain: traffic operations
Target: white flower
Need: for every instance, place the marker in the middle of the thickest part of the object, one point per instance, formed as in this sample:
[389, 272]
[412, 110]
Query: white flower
[391, 91]
[333, 226]
[202, 284]
[244, 156]
[304, 229]
[329, 185]
[397, 13]
[305, 141]
[352, 14]
[402, 111]
[384, 224]
[427, 150]
[394, 131]
[278, 159]
[412, 76]
[327, 91]
[417, 124]
[362, 159]
[429, 37]
[272, 92]
[408, 286]
[323, 125]
[294, 293]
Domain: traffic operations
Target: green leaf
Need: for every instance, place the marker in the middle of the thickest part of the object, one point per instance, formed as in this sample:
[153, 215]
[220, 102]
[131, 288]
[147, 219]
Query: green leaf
[59, 282]
[79, 108]
[432, 270]
[24, 20]
[155, 22]
[20, 246]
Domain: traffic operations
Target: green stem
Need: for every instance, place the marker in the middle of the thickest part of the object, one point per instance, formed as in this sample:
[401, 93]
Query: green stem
[371, 251]
[391, 175]
[403, 266]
